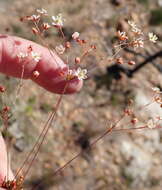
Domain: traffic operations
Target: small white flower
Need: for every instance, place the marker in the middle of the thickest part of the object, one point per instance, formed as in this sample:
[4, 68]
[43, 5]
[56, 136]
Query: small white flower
[156, 89]
[137, 30]
[22, 55]
[81, 73]
[134, 27]
[122, 35]
[152, 37]
[75, 35]
[42, 11]
[58, 20]
[35, 56]
[132, 24]
[60, 49]
[35, 17]
[151, 124]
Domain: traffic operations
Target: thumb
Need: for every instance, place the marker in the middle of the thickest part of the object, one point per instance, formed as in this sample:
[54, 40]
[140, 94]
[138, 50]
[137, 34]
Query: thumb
[3, 162]
[52, 70]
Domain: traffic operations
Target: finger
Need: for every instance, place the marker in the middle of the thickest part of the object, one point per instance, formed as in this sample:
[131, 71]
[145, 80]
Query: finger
[52, 70]
[3, 162]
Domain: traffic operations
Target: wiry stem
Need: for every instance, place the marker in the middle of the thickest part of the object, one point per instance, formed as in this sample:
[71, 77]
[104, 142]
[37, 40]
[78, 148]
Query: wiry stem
[37, 141]
[109, 130]
[44, 135]
[49, 121]
[41, 137]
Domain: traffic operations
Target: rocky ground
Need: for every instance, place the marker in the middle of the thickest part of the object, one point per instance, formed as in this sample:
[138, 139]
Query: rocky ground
[123, 160]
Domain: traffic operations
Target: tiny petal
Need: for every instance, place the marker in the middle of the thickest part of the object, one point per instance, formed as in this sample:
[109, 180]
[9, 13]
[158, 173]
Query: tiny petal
[36, 57]
[58, 20]
[81, 73]
[156, 89]
[150, 124]
[152, 37]
[75, 35]
[35, 17]
[131, 23]
[42, 11]
[122, 35]
[134, 27]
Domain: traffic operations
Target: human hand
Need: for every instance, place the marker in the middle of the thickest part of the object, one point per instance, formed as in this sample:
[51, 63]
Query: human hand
[52, 76]
[52, 70]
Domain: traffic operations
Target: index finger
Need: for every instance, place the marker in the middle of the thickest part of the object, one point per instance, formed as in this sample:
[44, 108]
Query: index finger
[52, 70]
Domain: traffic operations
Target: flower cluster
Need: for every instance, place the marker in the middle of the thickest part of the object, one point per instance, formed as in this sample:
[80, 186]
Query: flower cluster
[57, 21]
[137, 43]
[34, 55]
[126, 41]
[157, 96]
[136, 39]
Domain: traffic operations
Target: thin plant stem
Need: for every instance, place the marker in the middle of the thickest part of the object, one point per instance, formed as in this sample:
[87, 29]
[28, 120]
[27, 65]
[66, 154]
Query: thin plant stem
[51, 51]
[36, 143]
[7, 148]
[20, 83]
[136, 128]
[62, 33]
[109, 130]
[46, 129]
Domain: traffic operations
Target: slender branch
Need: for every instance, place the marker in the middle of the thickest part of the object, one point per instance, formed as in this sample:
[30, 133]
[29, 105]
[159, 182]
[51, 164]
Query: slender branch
[46, 129]
[107, 131]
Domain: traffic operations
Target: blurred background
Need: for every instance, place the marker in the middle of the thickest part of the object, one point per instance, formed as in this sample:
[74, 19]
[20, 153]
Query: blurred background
[122, 160]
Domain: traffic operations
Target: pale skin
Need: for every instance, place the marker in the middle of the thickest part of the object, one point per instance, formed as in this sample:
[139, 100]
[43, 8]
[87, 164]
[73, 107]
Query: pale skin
[52, 76]
[3, 162]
